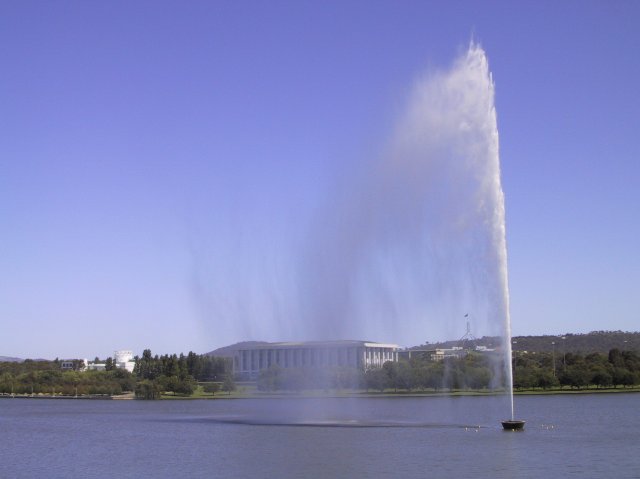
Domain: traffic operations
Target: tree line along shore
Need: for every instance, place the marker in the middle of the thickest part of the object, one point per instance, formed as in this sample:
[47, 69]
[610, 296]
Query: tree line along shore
[193, 375]
[152, 376]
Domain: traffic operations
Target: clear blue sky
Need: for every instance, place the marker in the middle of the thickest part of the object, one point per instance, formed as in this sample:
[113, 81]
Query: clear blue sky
[150, 150]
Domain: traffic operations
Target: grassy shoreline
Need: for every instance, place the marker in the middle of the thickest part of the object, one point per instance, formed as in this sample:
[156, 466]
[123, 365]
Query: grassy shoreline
[252, 393]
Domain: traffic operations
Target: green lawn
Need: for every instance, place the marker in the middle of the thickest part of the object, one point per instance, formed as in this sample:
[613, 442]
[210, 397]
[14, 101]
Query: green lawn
[249, 390]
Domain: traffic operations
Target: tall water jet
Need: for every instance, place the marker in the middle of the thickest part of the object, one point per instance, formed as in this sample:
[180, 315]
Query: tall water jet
[452, 128]
[418, 237]
[406, 243]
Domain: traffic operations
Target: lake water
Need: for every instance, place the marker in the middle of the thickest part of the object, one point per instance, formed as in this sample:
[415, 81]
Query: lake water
[565, 436]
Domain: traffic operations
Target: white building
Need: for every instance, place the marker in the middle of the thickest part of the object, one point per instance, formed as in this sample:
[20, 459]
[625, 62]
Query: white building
[96, 366]
[123, 359]
[247, 362]
[441, 354]
[73, 364]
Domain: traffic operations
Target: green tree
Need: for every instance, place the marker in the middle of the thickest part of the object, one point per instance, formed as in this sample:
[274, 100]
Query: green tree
[228, 385]
[420, 375]
[109, 365]
[186, 386]
[404, 376]
[576, 376]
[524, 377]
[6, 383]
[148, 389]
[376, 379]
[183, 369]
[169, 383]
[392, 369]
[270, 379]
[615, 358]
[545, 379]
[146, 366]
[631, 361]
[194, 364]
[212, 388]
[435, 376]
[478, 377]
[601, 377]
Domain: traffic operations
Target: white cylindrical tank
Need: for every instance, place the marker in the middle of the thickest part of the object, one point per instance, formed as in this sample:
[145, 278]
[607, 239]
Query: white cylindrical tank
[123, 356]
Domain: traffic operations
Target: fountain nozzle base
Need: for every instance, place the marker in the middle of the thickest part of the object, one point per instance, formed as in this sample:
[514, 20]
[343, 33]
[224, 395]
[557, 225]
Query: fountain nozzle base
[513, 425]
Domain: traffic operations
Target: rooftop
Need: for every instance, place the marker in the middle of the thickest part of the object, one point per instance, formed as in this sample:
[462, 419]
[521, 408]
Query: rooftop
[321, 344]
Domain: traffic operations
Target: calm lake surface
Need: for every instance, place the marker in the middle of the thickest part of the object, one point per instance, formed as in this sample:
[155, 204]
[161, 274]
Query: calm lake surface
[576, 436]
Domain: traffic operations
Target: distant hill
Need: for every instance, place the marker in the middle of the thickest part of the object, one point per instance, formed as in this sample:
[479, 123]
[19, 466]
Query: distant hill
[7, 359]
[229, 351]
[593, 342]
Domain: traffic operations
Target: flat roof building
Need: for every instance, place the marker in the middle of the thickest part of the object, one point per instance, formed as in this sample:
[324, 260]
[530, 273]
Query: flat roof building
[441, 354]
[249, 361]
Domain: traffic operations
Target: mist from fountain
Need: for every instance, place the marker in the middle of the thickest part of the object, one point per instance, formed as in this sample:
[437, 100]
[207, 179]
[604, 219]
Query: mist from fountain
[406, 243]
[418, 238]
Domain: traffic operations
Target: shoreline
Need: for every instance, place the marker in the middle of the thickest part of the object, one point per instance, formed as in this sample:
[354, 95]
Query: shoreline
[338, 394]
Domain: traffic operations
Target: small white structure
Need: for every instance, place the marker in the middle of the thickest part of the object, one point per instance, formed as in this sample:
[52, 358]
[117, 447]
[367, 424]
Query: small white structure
[123, 359]
[442, 354]
[73, 364]
[96, 366]
[484, 349]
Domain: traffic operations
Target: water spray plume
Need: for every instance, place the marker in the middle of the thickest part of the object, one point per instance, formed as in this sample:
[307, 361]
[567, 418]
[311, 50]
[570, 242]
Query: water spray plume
[448, 148]
[412, 240]
[419, 234]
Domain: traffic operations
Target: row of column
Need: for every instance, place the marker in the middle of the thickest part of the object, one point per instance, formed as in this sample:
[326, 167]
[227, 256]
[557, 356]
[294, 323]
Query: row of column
[257, 359]
[254, 360]
[376, 357]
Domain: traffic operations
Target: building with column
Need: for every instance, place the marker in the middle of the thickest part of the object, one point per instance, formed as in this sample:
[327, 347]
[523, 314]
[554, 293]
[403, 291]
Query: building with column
[249, 361]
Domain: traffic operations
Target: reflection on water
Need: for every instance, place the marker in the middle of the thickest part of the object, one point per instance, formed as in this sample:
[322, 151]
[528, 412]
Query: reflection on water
[262, 421]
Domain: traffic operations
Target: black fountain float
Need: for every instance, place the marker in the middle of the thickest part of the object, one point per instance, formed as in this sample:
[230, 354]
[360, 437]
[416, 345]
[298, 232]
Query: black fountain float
[513, 425]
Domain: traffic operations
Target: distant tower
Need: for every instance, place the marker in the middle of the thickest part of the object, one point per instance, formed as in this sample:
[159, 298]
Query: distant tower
[123, 356]
[468, 337]
[124, 360]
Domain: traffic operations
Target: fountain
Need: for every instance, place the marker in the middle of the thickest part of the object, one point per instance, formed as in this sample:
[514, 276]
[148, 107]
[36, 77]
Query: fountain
[408, 238]
[422, 230]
